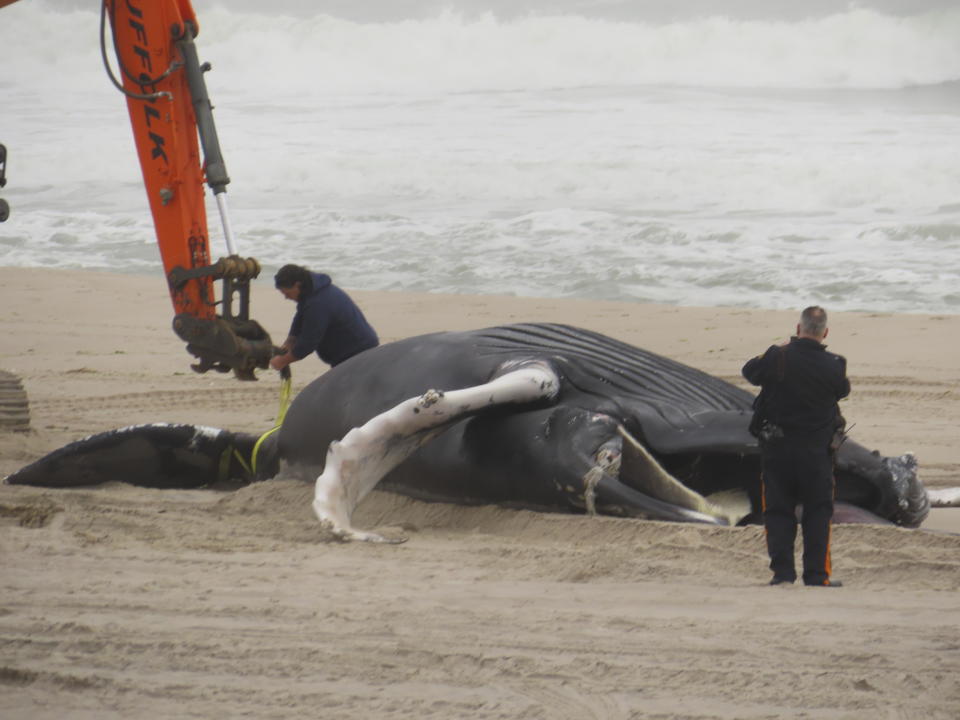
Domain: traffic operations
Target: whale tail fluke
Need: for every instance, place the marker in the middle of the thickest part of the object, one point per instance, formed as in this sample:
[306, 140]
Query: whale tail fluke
[159, 455]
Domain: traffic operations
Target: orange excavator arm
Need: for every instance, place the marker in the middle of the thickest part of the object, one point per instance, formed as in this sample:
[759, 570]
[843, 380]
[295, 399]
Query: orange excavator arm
[162, 79]
[167, 100]
[145, 36]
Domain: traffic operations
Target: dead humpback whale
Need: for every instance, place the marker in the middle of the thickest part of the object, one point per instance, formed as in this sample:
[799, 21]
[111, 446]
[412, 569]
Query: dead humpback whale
[541, 416]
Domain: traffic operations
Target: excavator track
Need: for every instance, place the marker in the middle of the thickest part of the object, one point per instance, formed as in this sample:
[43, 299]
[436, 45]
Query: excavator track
[14, 408]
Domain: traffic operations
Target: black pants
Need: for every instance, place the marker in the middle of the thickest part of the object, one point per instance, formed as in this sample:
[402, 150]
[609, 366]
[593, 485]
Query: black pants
[798, 471]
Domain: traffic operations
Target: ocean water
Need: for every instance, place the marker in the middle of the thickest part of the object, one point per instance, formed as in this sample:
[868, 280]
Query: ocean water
[746, 153]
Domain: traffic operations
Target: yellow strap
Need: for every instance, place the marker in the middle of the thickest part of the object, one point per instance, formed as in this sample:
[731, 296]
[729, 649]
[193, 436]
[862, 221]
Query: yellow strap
[223, 472]
[286, 383]
[228, 453]
[256, 448]
[243, 463]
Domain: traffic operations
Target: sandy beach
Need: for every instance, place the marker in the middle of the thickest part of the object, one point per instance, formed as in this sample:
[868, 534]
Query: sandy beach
[122, 602]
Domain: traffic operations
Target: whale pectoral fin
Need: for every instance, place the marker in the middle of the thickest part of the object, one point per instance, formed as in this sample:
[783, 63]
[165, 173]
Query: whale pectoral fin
[944, 497]
[333, 502]
[356, 463]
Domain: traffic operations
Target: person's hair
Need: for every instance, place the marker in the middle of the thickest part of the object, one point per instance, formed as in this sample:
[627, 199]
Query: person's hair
[290, 275]
[813, 321]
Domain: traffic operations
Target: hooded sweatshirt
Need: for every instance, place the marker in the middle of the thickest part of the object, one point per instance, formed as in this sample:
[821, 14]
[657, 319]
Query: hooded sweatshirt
[329, 322]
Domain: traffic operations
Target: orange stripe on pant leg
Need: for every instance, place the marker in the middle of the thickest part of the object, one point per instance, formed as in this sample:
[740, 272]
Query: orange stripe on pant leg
[828, 566]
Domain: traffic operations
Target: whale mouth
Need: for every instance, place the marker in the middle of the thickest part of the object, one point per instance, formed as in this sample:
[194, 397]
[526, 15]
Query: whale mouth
[648, 489]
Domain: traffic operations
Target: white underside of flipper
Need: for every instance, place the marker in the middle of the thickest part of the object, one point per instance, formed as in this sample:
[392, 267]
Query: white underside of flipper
[944, 497]
[356, 463]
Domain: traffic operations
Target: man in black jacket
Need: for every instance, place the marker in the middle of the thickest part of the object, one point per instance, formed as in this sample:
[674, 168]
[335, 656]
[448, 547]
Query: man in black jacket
[327, 321]
[796, 417]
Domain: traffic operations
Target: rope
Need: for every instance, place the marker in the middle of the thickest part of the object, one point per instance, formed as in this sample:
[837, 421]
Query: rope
[256, 447]
[286, 390]
[231, 452]
[286, 385]
[223, 473]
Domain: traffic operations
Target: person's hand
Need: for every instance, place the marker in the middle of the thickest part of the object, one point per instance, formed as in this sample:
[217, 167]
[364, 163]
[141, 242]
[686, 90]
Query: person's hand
[279, 362]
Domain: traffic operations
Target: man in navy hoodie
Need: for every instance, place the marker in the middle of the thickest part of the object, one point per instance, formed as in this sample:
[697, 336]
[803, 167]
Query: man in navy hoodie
[327, 321]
